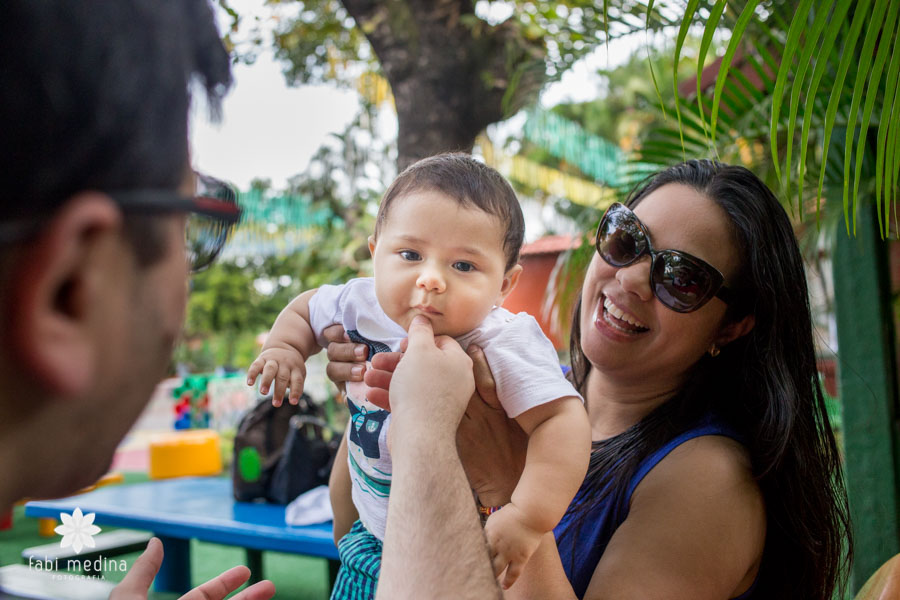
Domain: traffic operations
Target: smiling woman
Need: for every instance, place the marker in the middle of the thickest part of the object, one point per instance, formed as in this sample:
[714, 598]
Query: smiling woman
[714, 472]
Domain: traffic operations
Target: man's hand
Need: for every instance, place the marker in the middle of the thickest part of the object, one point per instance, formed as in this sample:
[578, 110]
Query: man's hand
[137, 582]
[432, 383]
[285, 366]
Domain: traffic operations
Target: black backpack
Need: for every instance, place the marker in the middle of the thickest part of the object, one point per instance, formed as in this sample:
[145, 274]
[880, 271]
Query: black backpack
[281, 452]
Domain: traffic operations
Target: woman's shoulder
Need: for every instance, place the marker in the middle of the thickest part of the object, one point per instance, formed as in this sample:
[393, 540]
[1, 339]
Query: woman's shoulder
[716, 461]
[700, 505]
[707, 480]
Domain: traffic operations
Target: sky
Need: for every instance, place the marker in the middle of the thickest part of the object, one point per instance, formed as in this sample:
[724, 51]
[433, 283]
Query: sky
[269, 130]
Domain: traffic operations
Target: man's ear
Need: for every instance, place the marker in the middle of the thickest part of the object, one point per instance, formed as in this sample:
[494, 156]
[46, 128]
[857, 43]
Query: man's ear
[55, 288]
[733, 331]
[372, 245]
[509, 283]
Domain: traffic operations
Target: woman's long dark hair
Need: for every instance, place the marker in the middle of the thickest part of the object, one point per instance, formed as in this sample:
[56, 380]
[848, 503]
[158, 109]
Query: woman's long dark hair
[764, 384]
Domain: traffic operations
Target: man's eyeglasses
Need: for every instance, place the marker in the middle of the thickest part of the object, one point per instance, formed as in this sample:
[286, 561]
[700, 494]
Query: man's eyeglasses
[680, 281]
[212, 212]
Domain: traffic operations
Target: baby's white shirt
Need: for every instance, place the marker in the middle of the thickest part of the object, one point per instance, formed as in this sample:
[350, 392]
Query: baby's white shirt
[523, 362]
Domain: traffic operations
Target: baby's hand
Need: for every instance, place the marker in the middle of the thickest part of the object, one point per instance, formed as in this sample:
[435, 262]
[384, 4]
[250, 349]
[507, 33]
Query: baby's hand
[286, 367]
[512, 542]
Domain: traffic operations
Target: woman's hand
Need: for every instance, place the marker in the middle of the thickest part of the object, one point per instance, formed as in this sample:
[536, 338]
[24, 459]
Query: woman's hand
[491, 445]
[346, 360]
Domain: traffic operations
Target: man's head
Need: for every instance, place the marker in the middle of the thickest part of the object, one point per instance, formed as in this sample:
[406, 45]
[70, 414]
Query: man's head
[446, 243]
[92, 293]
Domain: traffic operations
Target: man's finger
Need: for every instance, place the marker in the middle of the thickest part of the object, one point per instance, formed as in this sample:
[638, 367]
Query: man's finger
[421, 333]
[386, 361]
[445, 341]
[378, 379]
[144, 569]
[380, 398]
[219, 587]
[262, 590]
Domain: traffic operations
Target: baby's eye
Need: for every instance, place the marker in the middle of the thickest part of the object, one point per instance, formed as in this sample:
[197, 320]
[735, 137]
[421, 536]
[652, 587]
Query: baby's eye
[463, 266]
[409, 255]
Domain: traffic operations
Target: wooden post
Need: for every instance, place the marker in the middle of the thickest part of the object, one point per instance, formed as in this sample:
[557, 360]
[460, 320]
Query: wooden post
[868, 392]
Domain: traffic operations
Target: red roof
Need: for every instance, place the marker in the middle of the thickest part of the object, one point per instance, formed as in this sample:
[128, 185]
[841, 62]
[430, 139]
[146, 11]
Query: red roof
[552, 244]
[687, 88]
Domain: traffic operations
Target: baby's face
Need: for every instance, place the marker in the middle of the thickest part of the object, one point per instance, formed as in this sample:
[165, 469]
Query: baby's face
[436, 258]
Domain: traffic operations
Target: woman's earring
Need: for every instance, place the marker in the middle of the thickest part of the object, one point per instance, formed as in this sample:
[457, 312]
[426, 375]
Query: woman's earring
[714, 350]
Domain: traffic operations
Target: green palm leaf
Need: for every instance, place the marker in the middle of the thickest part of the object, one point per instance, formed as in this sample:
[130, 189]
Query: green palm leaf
[790, 49]
[865, 60]
[826, 48]
[679, 43]
[714, 16]
[738, 32]
[888, 115]
[860, 16]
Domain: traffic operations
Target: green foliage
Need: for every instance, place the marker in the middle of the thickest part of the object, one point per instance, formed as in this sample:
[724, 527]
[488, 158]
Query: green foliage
[235, 300]
[320, 43]
[319, 40]
[818, 59]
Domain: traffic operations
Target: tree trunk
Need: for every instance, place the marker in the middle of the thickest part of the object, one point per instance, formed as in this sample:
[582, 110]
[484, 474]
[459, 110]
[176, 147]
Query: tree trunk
[451, 74]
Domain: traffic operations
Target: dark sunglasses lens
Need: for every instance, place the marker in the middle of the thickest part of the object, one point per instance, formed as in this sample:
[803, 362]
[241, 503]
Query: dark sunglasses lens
[204, 237]
[620, 239]
[679, 283]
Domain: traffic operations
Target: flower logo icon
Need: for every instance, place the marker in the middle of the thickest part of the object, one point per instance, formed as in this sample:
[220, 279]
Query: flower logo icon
[77, 530]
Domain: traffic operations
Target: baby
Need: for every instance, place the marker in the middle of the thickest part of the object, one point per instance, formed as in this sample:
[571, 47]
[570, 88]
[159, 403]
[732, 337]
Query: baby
[446, 246]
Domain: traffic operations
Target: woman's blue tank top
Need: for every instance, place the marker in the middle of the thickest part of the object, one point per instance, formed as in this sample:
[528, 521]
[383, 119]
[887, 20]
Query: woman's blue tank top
[580, 557]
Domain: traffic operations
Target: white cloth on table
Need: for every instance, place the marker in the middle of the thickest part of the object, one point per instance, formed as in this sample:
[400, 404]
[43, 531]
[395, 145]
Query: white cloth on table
[309, 508]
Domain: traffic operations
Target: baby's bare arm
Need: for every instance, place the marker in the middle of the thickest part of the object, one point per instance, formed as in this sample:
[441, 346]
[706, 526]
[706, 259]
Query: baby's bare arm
[283, 357]
[559, 441]
[345, 513]
[559, 448]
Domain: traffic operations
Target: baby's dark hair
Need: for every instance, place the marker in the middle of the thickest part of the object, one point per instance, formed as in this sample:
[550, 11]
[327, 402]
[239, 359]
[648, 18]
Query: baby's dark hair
[469, 182]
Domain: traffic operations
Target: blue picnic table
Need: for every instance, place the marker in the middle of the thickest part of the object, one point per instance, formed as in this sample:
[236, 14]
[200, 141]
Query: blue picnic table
[202, 508]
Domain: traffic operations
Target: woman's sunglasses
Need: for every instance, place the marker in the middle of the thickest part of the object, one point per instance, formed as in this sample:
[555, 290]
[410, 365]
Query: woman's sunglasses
[212, 211]
[680, 281]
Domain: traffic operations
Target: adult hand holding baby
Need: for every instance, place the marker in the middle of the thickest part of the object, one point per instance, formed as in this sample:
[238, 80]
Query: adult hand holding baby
[491, 445]
[440, 398]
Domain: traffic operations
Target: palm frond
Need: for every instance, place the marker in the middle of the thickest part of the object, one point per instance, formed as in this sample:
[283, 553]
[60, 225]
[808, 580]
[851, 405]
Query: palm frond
[866, 57]
[724, 68]
[679, 43]
[790, 49]
[888, 116]
[860, 16]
